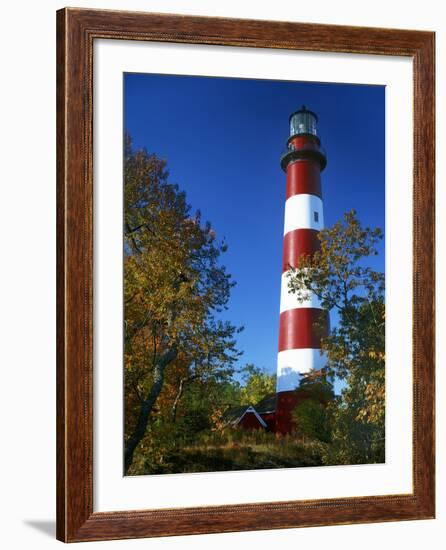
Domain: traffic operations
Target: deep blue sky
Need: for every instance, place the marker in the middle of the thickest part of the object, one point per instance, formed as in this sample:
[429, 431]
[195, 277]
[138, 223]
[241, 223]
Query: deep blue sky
[222, 139]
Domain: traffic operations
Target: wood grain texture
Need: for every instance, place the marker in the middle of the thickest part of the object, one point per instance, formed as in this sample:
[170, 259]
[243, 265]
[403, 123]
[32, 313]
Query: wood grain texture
[76, 31]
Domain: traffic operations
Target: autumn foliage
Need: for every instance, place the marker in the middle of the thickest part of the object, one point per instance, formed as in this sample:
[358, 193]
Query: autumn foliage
[340, 274]
[174, 286]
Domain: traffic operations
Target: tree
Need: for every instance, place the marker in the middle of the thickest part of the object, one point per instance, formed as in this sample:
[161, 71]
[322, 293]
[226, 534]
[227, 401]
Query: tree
[339, 276]
[174, 288]
[312, 421]
[311, 416]
[257, 383]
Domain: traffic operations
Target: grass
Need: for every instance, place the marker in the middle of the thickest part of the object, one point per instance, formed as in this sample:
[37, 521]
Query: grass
[237, 450]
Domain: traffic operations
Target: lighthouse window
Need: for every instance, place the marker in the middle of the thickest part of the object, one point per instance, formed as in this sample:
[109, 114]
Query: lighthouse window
[316, 216]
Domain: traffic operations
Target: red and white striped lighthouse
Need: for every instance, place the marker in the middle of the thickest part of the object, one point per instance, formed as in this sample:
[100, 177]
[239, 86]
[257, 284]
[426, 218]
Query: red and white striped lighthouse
[299, 338]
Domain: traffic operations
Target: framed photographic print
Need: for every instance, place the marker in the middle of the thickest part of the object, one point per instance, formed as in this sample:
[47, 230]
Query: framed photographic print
[245, 275]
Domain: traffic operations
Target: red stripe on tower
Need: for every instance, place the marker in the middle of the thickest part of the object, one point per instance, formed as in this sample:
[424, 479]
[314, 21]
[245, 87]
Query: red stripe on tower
[303, 177]
[302, 328]
[302, 324]
[297, 243]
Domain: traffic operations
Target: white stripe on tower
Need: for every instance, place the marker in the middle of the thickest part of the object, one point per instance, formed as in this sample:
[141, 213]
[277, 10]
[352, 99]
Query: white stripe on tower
[303, 211]
[288, 300]
[292, 363]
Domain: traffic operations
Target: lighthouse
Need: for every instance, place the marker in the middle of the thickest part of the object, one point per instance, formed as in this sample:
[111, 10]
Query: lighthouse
[302, 323]
[299, 329]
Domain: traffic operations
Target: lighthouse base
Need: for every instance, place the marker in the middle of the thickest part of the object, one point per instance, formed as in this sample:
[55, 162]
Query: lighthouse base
[286, 403]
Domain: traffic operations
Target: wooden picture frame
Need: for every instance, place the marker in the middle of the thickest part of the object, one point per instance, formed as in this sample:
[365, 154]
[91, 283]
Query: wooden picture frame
[76, 31]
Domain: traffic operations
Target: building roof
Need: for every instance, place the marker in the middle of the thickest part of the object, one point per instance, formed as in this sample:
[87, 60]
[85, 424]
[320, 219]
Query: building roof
[233, 415]
[267, 404]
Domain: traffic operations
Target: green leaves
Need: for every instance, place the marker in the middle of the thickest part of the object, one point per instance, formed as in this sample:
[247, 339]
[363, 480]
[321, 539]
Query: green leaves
[257, 384]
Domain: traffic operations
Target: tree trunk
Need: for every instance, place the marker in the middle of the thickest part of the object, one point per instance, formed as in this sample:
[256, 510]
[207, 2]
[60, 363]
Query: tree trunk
[177, 399]
[179, 395]
[147, 406]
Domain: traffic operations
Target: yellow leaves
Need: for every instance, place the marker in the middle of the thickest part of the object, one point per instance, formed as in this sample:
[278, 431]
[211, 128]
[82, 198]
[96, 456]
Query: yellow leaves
[378, 355]
[217, 420]
[374, 409]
